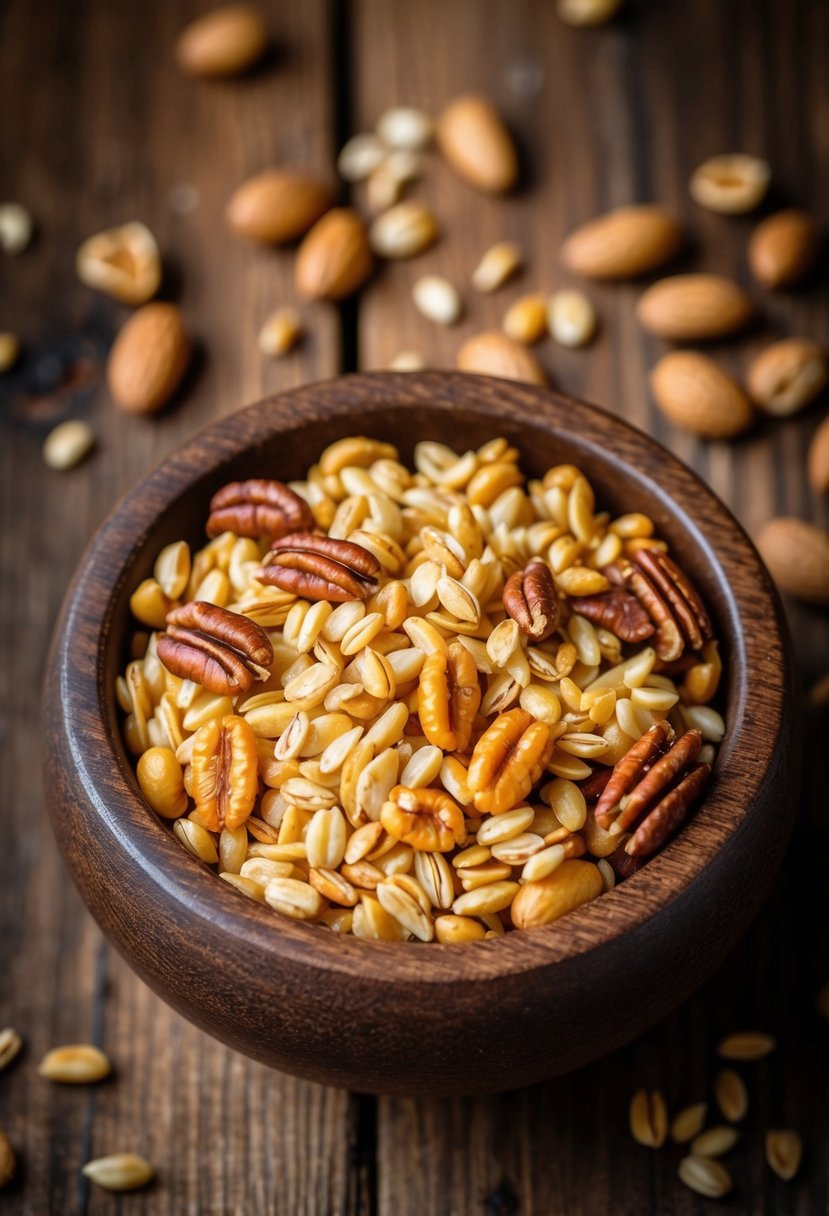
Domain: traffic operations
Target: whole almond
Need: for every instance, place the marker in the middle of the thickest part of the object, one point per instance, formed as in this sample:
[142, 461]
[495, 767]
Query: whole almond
[693, 307]
[477, 145]
[334, 258]
[819, 459]
[797, 555]
[225, 42]
[494, 354]
[277, 205]
[783, 248]
[699, 396]
[148, 359]
[623, 244]
[787, 375]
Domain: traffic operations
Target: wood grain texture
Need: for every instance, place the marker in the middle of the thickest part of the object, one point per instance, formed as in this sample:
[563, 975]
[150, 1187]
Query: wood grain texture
[623, 112]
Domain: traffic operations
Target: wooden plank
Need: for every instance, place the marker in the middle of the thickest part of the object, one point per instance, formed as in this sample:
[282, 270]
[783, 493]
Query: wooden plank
[106, 131]
[606, 117]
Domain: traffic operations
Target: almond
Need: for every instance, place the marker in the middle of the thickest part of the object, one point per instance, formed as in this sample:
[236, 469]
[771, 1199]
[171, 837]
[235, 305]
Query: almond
[787, 375]
[692, 307]
[819, 459]
[335, 258]
[477, 145]
[148, 359]
[122, 262]
[697, 395]
[797, 555]
[276, 206]
[624, 243]
[494, 354]
[222, 43]
[783, 248]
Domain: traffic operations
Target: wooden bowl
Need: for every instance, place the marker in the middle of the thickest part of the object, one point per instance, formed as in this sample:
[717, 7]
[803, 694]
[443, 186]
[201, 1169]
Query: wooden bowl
[419, 1018]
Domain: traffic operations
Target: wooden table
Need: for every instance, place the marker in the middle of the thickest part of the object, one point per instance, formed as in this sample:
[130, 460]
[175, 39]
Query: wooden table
[100, 128]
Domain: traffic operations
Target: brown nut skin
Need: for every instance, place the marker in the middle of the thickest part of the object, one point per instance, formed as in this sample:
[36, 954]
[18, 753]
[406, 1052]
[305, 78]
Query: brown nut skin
[783, 248]
[797, 555]
[475, 142]
[276, 206]
[663, 820]
[624, 243]
[617, 611]
[819, 459]
[219, 649]
[679, 592]
[258, 507]
[660, 776]
[225, 42]
[787, 376]
[321, 568]
[335, 258]
[148, 359]
[697, 395]
[629, 770]
[530, 599]
[693, 307]
[494, 354]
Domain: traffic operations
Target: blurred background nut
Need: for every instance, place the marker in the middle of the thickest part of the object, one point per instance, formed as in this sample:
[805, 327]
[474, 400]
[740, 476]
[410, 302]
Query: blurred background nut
[498, 264]
[122, 262]
[694, 307]
[624, 243]
[437, 299]
[797, 555]
[16, 228]
[819, 459]
[571, 318]
[407, 361]
[281, 333]
[403, 231]
[588, 12]
[732, 183]
[148, 359]
[68, 444]
[334, 259]
[119, 1172]
[7, 1160]
[225, 42]
[276, 206]
[787, 376]
[405, 127]
[697, 395]
[477, 145]
[526, 318]
[494, 354]
[9, 352]
[360, 156]
[783, 248]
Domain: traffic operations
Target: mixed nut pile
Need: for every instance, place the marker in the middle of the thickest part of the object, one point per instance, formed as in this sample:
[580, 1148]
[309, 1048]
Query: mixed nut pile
[421, 705]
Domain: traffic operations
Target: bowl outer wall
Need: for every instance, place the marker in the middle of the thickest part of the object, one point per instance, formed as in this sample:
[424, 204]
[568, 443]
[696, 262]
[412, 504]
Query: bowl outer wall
[409, 1018]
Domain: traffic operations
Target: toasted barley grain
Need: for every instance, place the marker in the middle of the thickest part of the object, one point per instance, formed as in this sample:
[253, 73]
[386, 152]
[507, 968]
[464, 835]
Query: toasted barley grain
[731, 1094]
[119, 1172]
[746, 1045]
[784, 1151]
[75, 1064]
[648, 1118]
[688, 1122]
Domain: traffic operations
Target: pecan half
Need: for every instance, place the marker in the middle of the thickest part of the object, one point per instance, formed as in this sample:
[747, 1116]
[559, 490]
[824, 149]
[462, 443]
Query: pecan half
[661, 822]
[593, 786]
[449, 695]
[258, 507]
[219, 649]
[321, 568]
[617, 611]
[508, 760]
[427, 819]
[622, 864]
[530, 599]
[659, 778]
[680, 594]
[629, 769]
[225, 772]
[668, 642]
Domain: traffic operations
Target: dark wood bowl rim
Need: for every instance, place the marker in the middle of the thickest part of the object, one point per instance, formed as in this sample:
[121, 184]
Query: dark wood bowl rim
[194, 894]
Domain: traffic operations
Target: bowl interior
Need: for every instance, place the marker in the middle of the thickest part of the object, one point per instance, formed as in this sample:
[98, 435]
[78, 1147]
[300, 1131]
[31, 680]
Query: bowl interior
[281, 437]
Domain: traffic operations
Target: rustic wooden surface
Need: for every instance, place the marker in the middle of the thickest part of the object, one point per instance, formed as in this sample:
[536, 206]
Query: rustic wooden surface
[104, 130]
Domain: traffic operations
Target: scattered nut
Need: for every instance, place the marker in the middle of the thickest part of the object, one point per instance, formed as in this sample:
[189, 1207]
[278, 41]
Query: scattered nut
[383, 189]
[276, 206]
[732, 184]
[714, 1141]
[437, 299]
[588, 12]
[694, 393]
[407, 361]
[688, 1122]
[705, 1176]
[334, 259]
[494, 354]
[477, 145]
[797, 555]
[648, 1117]
[694, 307]
[75, 1064]
[7, 1160]
[9, 352]
[787, 376]
[16, 228]
[783, 248]
[403, 231]
[499, 263]
[225, 42]
[526, 319]
[280, 333]
[623, 244]
[571, 318]
[784, 1151]
[731, 1094]
[405, 127]
[10, 1046]
[359, 157]
[122, 262]
[747, 1044]
[119, 1172]
[148, 359]
[68, 444]
[819, 459]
